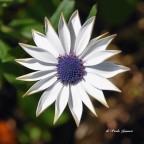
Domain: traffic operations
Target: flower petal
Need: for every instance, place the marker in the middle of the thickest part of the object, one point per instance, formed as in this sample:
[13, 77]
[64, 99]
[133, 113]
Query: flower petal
[35, 76]
[39, 53]
[48, 97]
[95, 93]
[53, 37]
[61, 102]
[85, 98]
[75, 104]
[64, 34]
[35, 64]
[106, 69]
[84, 36]
[74, 26]
[98, 57]
[41, 85]
[97, 45]
[44, 43]
[100, 82]
[97, 38]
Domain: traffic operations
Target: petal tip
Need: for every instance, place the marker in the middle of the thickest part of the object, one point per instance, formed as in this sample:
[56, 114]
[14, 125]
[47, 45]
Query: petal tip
[95, 114]
[107, 105]
[17, 60]
[76, 12]
[27, 94]
[39, 110]
[20, 44]
[118, 51]
[18, 78]
[114, 35]
[127, 68]
[33, 32]
[118, 90]
[62, 15]
[37, 113]
[24, 95]
[55, 120]
[46, 20]
[91, 20]
[77, 123]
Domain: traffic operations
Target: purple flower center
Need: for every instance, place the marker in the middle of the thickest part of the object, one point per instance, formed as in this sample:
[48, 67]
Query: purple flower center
[70, 69]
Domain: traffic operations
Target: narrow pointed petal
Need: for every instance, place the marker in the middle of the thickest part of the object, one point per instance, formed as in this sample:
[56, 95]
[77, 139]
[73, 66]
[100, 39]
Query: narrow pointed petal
[64, 34]
[84, 36]
[74, 26]
[97, 45]
[35, 64]
[61, 102]
[85, 98]
[41, 85]
[35, 76]
[48, 97]
[98, 57]
[97, 38]
[106, 69]
[53, 38]
[39, 53]
[95, 93]
[100, 82]
[44, 43]
[75, 104]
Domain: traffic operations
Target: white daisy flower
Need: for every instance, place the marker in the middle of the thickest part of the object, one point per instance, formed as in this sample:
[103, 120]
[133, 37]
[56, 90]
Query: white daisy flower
[69, 67]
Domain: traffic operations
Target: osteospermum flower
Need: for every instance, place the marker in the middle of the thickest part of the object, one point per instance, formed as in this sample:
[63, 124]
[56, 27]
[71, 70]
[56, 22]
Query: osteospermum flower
[69, 67]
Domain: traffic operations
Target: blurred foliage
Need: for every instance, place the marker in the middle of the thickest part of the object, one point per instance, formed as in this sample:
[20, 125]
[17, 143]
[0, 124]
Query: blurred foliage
[18, 123]
[116, 12]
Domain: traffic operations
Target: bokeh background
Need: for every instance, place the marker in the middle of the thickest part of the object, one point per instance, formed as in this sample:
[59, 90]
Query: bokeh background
[18, 124]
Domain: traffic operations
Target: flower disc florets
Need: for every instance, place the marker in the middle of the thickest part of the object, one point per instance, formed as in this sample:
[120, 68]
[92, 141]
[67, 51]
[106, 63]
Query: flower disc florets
[70, 69]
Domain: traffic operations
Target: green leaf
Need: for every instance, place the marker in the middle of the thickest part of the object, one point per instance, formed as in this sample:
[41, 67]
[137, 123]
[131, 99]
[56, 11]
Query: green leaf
[4, 52]
[21, 22]
[10, 33]
[26, 31]
[66, 6]
[93, 11]
[24, 26]
[114, 12]
[10, 71]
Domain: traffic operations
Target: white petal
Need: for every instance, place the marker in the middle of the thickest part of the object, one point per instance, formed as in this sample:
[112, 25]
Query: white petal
[39, 53]
[85, 98]
[97, 45]
[61, 102]
[100, 82]
[41, 85]
[98, 57]
[44, 43]
[48, 97]
[95, 93]
[97, 38]
[64, 34]
[74, 26]
[84, 36]
[106, 69]
[75, 104]
[53, 37]
[35, 76]
[35, 64]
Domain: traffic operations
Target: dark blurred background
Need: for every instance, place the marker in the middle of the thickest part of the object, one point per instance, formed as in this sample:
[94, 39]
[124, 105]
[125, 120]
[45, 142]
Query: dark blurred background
[18, 124]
